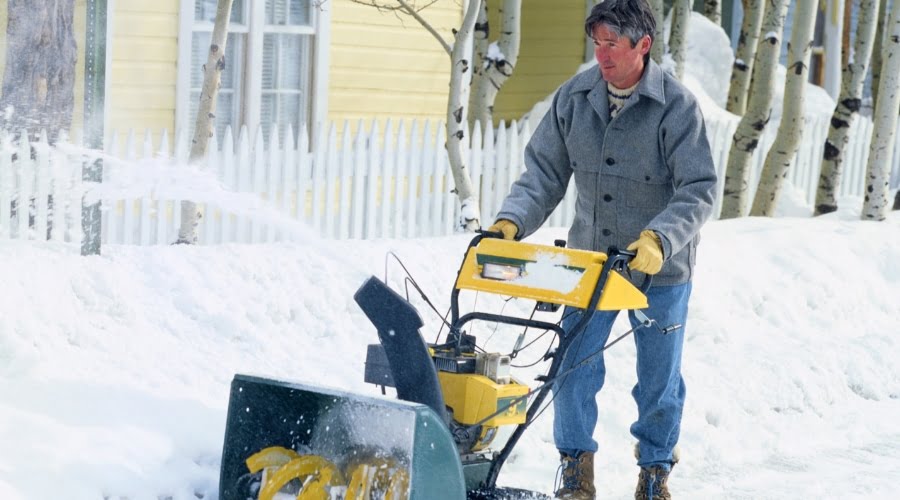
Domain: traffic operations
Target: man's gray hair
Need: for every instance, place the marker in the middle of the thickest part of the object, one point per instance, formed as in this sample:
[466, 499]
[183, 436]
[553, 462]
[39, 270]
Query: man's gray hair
[631, 18]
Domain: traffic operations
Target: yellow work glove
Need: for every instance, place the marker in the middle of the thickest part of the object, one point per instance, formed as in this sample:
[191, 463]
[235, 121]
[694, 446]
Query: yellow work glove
[649, 259]
[508, 228]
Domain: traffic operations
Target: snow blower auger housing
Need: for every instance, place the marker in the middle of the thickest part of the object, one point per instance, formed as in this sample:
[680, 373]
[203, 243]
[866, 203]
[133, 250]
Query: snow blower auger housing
[287, 440]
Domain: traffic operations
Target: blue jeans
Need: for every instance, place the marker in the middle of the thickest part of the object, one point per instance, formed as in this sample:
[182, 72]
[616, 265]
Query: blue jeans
[659, 392]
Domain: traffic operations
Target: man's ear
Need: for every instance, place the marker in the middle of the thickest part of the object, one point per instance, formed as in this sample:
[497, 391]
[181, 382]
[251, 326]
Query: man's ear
[644, 44]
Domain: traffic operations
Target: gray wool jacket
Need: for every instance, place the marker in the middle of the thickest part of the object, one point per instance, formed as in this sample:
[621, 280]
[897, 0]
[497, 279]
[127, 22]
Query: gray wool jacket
[650, 167]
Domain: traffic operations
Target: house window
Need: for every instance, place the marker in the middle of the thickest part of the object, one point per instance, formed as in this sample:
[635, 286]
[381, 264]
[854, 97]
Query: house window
[274, 64]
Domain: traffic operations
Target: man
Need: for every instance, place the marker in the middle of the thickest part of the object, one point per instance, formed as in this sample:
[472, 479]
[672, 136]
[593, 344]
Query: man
[634, 140]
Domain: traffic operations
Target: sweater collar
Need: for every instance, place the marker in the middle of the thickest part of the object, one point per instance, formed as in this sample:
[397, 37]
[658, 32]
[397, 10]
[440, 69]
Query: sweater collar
[650, 84]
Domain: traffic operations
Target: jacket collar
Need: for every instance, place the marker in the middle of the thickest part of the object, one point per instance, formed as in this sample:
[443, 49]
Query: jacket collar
[651, 84]
[590, 81]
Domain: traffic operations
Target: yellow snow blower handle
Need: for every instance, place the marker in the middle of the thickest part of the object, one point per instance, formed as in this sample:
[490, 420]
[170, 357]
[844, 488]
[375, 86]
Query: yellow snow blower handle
[501, 266]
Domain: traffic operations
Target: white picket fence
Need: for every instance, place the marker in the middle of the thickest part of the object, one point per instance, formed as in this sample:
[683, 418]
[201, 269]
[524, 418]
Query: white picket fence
[40, 191]
[390, 181]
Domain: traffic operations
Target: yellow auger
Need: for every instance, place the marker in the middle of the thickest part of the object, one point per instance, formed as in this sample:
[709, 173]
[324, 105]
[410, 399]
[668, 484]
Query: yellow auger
[370, 479]
[281, 466]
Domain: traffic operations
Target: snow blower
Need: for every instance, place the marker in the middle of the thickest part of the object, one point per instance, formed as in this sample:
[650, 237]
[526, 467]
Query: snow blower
[286, 440]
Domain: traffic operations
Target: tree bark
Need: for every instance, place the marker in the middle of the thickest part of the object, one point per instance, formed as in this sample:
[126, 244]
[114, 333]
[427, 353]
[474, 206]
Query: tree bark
[712, 9]
[481, 43]
[492, 69]
[457, 104]
[759, 110]
[658, 49]
[681, 18]
[845, 33]
[847, 109]
[787, 142]
[204, 127]
[748, 41]
[877, 49]
[39, 81]
[881, 149]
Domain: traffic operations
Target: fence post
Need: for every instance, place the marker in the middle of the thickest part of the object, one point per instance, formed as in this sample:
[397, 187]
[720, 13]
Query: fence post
[304, 173]
[94, 97]
[437, 179]
[228, 179]
[373, 172]
[414, 170]
[42, 186]
[145, 200]
[345, 183]
[6, 180]
[331, 170]
[387, 172]
[488, 176]
[273, 164]
[401, 173]
[289, 175]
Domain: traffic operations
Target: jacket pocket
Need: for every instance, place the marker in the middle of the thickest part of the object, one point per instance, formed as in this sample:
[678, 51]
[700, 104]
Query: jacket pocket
[649, 194]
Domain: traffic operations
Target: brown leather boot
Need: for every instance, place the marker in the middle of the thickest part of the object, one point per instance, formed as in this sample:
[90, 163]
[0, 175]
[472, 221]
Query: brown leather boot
[652, 484]
[577, 477]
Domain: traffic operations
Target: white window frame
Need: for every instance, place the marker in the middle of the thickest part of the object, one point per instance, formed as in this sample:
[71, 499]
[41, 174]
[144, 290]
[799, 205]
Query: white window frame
[251, 80]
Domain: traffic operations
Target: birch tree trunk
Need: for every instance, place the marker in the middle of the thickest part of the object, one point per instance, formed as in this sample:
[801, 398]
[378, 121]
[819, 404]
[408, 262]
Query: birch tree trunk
[712, 9]
[457, 104]
[846, 110]
[493, 68]
[481, 45]
[204, 127]
[39, 81]
[787, 142]
[877, 50]
[658, 49]
[681, 17]
[748, 41]
[881, 149]
[759, 110]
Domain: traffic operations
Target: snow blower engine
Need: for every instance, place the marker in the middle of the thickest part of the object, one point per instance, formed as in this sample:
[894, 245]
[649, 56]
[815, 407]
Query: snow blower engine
[288, 440]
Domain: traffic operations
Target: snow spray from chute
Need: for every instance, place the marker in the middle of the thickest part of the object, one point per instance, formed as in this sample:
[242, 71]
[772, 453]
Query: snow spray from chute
[163, 178]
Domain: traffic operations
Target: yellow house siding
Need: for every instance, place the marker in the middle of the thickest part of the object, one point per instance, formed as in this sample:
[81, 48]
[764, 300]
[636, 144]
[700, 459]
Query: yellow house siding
[387, 65]
[140, 91]
[552, 48]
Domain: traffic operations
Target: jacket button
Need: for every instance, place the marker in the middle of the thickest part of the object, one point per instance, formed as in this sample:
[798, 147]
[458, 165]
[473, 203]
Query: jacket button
[606, 232]
[607, 197]
[610, 161]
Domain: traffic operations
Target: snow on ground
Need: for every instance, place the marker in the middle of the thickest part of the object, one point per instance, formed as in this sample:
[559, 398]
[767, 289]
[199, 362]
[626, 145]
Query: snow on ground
[116, 369]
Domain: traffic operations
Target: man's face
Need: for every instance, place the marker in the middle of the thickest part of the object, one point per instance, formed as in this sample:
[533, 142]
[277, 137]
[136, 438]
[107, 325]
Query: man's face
[621, 64]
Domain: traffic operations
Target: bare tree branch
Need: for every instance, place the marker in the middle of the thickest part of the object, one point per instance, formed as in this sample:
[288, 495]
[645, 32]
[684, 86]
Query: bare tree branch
[411, 11]
[426, 25]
